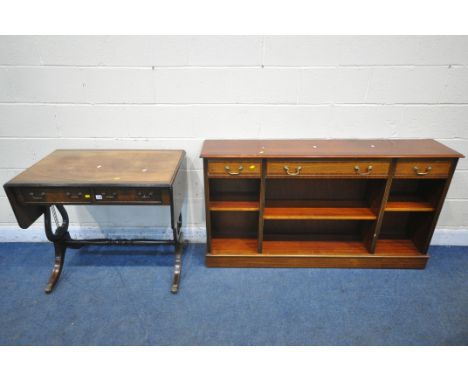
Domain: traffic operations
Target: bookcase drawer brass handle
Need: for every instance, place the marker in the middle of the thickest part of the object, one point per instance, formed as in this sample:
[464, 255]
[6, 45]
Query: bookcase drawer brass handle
[357, 169]
[297, 172]
[228, 170]
[428, 170]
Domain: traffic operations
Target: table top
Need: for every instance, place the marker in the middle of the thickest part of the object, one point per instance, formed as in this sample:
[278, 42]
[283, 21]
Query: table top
[103, 167]
[328, 148]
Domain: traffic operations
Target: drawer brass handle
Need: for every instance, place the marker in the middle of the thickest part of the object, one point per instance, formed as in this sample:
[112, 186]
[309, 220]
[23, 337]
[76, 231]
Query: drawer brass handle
[109, 196]
[37, 197]
[357, 169]
[144, 196]
[428, 170]
[228, 170]
[297, 172]
[74, 196]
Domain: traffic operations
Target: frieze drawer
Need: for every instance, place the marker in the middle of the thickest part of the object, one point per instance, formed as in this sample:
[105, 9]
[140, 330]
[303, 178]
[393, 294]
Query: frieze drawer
[236, 168]
[56, 195]
[354, 168]
[423, 168]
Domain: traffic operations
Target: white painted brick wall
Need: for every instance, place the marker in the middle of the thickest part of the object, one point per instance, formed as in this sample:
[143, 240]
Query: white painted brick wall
[175, 91]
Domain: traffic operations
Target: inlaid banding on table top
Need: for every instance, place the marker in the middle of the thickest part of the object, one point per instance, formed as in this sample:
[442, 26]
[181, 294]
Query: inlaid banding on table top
[143, 167]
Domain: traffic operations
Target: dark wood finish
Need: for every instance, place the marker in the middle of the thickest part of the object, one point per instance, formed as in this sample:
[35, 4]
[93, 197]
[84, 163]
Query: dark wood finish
[426, 240]
[25, 214]
[103, 167]
[320, 230]
[324, 203]
[234, 224]
[97, 195]
[319, 190]
[261, 220]
[60, 247]
[120, 177]
[234, 189]
[176, 197]
[416, 191]
[206, 183]
[327, 148]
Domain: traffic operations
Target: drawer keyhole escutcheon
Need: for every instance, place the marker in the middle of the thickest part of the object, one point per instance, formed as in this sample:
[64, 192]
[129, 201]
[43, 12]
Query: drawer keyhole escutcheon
[428, 170]
[228, 170]
[357, 169]
[297, 172]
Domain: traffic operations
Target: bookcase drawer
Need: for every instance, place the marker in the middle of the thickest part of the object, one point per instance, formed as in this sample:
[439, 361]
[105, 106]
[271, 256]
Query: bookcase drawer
[377, 168]
[423, 168]
[236, 168]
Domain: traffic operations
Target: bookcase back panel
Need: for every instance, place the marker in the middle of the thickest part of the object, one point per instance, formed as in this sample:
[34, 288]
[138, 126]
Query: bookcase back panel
[234, 224]
[320, 189]
[340, 230]
[234, 189]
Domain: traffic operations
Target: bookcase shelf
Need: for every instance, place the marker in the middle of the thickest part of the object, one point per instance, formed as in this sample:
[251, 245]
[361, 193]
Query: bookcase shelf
[318, 213]
[234, 246]
[316, 203]
[234, 205]
[408, 206]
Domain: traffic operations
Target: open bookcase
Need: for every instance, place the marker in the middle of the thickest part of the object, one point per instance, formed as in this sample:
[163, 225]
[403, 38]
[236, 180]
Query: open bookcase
[370, 204]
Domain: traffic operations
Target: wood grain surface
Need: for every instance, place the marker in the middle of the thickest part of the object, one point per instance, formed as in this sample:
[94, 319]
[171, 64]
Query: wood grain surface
[327, 148]
[324, 203]
[103, 167]
[314, 168]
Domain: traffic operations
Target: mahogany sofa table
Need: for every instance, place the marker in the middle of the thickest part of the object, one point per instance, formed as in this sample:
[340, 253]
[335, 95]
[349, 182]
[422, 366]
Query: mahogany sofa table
[324, 203]
[99, 177]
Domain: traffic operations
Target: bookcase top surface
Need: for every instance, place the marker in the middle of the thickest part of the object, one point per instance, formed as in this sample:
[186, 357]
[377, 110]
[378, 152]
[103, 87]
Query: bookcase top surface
[328, 148]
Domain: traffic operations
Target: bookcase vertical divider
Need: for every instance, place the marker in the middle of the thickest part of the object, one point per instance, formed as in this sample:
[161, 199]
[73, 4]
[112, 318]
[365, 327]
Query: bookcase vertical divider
[261, 207]
[372, 240]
